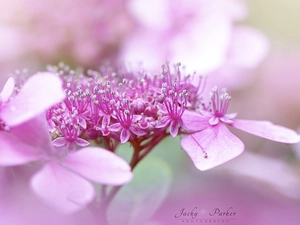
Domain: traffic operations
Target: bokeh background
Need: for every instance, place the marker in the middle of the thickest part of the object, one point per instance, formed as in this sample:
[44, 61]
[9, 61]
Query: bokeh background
[251, 47]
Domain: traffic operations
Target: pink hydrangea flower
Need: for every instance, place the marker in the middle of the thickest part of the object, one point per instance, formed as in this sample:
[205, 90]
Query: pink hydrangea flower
[201, 34]
[118, 106]
[213, 144]
[28, 140]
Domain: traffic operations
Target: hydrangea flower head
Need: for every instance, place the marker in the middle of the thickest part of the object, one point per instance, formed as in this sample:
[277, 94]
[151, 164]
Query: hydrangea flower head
[119, 106]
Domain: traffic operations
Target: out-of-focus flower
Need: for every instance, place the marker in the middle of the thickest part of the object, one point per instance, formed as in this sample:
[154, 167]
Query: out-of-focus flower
[214, 144]
[82, 32]
[267, 170]
[19, 205]
[201, 34]
[246, 50]
[28, 140]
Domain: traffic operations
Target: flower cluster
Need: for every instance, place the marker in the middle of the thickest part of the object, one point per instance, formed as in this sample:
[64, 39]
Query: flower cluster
[56, 118]
[118, 106]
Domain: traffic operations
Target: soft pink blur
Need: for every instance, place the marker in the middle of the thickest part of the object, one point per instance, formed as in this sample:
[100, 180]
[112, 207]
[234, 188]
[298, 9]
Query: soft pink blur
[260, 190]
[19, 206]
[81, 32]
[202, 35]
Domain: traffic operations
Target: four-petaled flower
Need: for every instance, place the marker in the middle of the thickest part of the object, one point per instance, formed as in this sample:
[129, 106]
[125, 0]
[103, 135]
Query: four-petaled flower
[213, 144]
[63, 181]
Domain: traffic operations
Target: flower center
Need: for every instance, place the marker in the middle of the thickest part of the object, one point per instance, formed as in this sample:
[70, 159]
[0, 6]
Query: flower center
[219, 102]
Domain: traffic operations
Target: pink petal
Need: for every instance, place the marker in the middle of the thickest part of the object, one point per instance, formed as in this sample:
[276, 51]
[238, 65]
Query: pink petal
[140, 9]
[248, 47]
[125, 135]
[81, 142]
[198, 42]
[214, 120]
[212, 146]
[163, 122]
[144, 44]
[115, 127]
[137, 130]
[82, 122]
[267, 130]
[40, 92]
[174, 128]
[236, 9]
[8, 89]
[61, 189]
[105, 121]
[99, 165]
[59, 142]
[193, 121]
[14, 152]
[35, 133]
[231, 115]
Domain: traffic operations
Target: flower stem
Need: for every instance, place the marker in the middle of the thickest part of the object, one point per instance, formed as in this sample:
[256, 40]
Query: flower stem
[134, 161]
[136, 158]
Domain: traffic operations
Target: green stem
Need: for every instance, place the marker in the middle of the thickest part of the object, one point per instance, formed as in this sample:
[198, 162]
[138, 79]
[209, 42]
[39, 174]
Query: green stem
[134, 161]
[153, 142]
[136, 158]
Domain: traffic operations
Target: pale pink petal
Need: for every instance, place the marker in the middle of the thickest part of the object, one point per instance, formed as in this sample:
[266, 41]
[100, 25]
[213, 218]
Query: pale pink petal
[203, 44]
[193, 121]
[59, 142]
[61, 189]
[136, 118]
[163, 122]
[237, 9]
[231, 115]
[212, 146]
[15, 152]
[125, 135]
[105, 121]
[40, 92]
[226, 120]
[137, 130]
[144, 45]
[70, 146]
[34, 132]
[267, 130]
[99, 165]
[174, 126]
[12, 42]
[82, 122]
[8, 89]
[248, 47]
[81, 142]
[214, 120]
[143, 10]
[115, 127]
